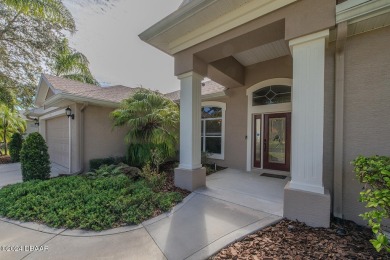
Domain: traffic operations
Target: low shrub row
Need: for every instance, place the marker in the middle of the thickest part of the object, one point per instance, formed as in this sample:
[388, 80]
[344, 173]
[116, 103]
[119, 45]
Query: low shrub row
[85, 203]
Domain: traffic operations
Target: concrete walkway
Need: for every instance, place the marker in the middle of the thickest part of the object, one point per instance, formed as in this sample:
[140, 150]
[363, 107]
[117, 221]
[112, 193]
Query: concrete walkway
[207, 220]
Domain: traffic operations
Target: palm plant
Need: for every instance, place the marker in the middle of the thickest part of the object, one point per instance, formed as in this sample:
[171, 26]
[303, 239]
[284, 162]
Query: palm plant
[10, 123]
[71, 64]
[153, 123]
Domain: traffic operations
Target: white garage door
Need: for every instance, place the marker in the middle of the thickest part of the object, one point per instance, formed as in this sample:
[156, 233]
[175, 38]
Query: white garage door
[57, 138]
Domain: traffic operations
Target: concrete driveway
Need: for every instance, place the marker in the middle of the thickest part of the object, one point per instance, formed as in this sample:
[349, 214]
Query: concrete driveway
[11, 173]
[207, 220]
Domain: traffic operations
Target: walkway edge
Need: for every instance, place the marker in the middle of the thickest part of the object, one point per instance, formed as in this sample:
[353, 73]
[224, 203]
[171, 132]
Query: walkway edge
[234, 236]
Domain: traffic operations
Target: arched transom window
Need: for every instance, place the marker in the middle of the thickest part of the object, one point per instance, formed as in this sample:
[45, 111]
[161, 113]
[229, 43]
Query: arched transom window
[274, 94]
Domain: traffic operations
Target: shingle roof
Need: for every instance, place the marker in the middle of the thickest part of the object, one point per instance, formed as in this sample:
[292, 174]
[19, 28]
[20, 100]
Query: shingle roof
[208, 87]
[112, 94]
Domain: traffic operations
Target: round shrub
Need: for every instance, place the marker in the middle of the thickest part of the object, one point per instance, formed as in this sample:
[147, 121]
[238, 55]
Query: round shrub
[15, 145]
[34, 158]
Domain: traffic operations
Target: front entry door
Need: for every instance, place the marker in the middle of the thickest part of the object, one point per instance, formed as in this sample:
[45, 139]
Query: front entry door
[276, 143]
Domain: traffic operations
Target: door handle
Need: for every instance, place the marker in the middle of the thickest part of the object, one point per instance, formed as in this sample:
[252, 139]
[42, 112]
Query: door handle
[265, 145]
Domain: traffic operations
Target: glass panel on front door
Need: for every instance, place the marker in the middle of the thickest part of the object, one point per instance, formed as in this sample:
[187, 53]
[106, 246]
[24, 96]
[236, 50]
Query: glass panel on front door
[277, 140]
[257, 139]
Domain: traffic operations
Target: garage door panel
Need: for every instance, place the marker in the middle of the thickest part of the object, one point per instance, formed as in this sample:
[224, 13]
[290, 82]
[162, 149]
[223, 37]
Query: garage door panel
[57, 138]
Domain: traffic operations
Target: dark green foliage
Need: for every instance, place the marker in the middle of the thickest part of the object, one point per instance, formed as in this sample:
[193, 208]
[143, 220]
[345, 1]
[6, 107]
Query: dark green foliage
[34, 158]
[95, 164]
[79, 202]
[374, 172]
[15, 146]
[114, 170]
[141, 154]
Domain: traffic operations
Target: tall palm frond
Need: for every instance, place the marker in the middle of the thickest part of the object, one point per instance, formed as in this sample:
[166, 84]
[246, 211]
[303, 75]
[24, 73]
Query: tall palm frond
[151, 119]
[71, 64]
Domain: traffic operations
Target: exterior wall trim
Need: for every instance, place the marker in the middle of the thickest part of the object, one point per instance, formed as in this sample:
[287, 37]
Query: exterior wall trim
[285, 107]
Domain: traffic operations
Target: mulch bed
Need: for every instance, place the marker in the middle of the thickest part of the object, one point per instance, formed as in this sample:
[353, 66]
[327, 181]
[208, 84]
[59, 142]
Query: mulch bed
[294, 240]
[5, 159]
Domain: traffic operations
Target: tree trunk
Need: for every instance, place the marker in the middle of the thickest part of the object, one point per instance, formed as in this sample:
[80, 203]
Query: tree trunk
[5, 140]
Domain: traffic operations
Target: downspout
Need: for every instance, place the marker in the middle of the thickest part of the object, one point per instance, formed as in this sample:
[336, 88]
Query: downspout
[81, 141]
[70, 144]
[338, 160]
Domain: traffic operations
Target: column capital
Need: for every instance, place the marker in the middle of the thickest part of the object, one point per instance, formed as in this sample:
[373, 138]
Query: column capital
[190, 74]
[309, 38]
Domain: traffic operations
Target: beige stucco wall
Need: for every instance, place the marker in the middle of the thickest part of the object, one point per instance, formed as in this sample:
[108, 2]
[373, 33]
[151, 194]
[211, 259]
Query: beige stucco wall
[100, 139]
[237, 106]
[367, 107]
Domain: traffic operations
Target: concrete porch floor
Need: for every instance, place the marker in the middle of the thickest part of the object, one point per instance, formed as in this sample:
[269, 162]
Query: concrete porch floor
[247, 189]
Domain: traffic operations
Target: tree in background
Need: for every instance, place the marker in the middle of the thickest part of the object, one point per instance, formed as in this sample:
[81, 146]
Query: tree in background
[15, 146]
[153, 123]
[31, 32]
[10, 123]
[69, 63]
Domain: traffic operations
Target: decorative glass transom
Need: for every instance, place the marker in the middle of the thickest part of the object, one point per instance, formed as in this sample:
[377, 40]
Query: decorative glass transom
[272, 95]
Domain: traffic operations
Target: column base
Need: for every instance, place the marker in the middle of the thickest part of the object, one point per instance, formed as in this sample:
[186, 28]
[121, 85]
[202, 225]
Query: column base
[308, 207]
[190, 179]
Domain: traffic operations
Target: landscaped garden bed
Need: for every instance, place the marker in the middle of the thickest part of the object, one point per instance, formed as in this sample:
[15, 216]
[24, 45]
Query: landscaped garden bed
[4, 159]
[294, 240]
[106, 199]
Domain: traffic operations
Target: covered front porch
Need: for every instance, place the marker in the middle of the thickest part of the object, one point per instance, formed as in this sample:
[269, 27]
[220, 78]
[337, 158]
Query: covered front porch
[248, 47]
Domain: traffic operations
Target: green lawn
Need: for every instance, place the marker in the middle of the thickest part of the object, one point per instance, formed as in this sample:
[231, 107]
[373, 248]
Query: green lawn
[79, 202]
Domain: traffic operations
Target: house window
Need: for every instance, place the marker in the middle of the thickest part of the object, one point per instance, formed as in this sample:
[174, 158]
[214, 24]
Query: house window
[213, 129]
[275, 94]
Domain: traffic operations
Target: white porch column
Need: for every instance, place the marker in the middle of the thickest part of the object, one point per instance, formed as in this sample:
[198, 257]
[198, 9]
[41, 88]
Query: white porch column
[305, 196]
[190, 174]
[307, 134]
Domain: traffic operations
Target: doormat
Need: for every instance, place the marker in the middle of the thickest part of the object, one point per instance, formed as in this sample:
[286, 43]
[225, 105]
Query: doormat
[273, 175]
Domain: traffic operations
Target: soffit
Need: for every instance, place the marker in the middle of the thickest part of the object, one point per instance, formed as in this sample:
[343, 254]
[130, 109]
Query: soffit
[262, 53]
[205, 19]
[369, 24]
[363, 15]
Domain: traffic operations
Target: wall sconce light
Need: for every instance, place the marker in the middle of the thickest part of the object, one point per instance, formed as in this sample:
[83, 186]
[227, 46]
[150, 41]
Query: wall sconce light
[36, 121]
[68, 113]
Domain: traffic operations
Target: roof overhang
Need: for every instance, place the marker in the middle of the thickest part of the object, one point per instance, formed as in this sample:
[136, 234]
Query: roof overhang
[65, 99]
[355, 11]
[197, 22]
[363, 15]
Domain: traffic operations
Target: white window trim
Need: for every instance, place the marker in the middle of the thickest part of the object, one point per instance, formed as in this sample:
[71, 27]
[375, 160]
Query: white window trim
[223, 106]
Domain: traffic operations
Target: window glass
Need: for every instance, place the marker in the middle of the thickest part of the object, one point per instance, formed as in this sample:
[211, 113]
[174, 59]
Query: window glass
[275, 94]
[211, 112]
[213, 145]
[211, 127]
[214, 127]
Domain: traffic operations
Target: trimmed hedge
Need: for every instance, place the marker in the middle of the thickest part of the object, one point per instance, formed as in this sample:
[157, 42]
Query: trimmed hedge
[15, 146]
[34, 158]
[95, 164]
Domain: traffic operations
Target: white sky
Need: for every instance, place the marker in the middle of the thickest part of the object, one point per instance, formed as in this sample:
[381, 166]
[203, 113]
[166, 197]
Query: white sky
[110, 41]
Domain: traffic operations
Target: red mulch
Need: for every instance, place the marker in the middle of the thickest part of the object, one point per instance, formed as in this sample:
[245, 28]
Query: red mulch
[294, 240]
[4, 159]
